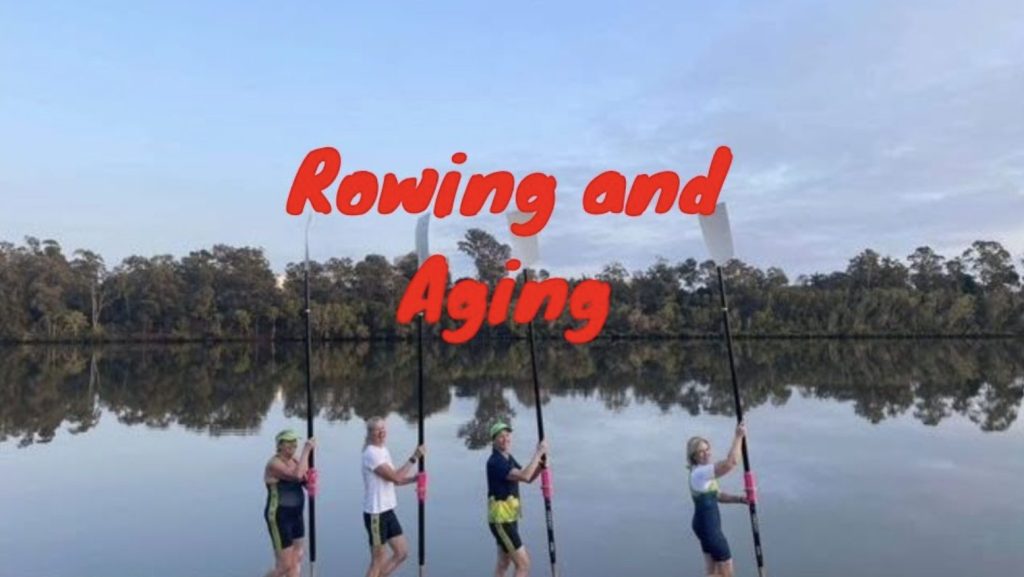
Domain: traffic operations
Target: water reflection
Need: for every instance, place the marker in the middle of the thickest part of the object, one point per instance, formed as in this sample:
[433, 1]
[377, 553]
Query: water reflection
[230, 389]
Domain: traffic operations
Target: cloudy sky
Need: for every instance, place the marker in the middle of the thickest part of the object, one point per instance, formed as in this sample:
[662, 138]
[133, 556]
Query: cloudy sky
[131, 129]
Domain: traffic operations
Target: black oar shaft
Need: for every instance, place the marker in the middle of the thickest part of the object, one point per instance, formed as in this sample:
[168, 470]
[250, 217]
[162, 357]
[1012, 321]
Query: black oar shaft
[754, 524]
[536, 383]
[309, 406]
[422, 461]
[548, 515]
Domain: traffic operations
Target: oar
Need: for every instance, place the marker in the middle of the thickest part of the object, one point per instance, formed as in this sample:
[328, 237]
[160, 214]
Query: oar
[422, 253]
[718, 239]
[527, 251]
[309, 406]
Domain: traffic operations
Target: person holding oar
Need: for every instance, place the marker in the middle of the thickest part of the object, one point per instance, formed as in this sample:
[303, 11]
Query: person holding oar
[707, 522]
[285, 477]
[527, 252]
[504, 474]
[379, 500]
[718, 238]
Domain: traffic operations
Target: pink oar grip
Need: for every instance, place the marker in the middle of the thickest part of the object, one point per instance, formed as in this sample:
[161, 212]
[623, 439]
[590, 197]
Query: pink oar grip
[311, 482]
[545, 483]
[421, 486]
[750, 484]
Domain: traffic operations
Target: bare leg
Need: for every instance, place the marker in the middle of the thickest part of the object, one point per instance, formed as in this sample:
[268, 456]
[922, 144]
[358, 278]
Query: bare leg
[378, 558]
[282, 563]
[709, 565]
[297, 550]
[504, 560]
[522, 561]
[399, 553]
[724, 568]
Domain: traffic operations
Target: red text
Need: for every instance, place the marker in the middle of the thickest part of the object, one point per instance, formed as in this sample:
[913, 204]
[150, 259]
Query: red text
[467, 302]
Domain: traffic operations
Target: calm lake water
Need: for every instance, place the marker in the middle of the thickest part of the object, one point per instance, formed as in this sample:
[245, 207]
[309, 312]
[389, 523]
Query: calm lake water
[882, 457]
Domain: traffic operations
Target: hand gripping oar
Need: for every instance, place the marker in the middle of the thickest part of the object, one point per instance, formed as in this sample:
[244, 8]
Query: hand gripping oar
[718, 238]
[309, 407]
[527, 251]
[422, 253]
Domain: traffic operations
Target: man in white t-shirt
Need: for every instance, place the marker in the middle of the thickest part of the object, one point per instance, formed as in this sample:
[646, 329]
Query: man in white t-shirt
[379, 500]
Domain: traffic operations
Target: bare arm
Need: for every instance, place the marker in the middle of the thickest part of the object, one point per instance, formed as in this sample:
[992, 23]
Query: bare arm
[540, 469]
[401, 476]
[727, 498]
[537, 473]
[292, 471]
[532, 471]
[729, 463]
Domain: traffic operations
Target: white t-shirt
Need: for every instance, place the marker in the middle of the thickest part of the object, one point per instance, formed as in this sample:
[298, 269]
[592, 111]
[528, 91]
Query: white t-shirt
[702, 478]
[378, 492]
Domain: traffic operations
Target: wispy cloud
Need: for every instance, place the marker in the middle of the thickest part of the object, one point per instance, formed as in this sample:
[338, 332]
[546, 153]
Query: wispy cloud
[853, 125]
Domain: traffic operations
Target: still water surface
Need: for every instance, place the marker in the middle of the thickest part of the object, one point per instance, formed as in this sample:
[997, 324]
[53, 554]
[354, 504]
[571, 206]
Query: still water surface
[883, 457]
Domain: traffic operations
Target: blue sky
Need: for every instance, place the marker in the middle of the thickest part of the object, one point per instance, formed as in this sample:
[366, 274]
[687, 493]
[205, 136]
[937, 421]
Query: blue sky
[135, 129]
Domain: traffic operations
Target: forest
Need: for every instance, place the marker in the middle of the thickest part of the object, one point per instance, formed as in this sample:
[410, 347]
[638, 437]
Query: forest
[226, 293]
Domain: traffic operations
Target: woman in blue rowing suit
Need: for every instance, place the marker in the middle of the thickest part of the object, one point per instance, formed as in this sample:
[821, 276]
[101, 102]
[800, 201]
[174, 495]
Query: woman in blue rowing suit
[707, 523]
[285, 477]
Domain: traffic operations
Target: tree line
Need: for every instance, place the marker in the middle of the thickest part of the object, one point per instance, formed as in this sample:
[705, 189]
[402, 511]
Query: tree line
[229, 293]
[230, 388]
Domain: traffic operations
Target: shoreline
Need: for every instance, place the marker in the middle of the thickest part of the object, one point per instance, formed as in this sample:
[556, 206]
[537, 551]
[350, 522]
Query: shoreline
[165, 340]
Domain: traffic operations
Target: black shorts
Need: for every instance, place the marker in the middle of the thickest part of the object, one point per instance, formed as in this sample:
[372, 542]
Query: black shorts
[286, 526]
[507, 536]
[382, 527]
[714, 544]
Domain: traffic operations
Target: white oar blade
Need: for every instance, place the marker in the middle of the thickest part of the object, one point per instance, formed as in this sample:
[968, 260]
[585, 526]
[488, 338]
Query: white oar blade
[524, 248]
[422, 238]
[717, 235]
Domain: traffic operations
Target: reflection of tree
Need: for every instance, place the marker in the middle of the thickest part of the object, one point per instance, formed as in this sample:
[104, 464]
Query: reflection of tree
[41, 389]
[364, 379]
[492, 406]
[216, 389]
[225, 389]
[994, 407]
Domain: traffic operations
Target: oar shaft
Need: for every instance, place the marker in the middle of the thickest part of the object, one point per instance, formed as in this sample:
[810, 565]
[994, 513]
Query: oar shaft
[536, 383]
[752, 505]
[548, 515]
[309, 405]
[732, 363]
[422, 460]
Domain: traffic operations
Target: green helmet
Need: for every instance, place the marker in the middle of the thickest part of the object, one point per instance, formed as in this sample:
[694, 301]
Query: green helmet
[287, 436]
[499, 427]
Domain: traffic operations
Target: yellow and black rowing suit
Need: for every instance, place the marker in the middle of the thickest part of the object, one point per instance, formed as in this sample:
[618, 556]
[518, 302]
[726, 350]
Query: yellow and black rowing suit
[503, 510]
[283, 512]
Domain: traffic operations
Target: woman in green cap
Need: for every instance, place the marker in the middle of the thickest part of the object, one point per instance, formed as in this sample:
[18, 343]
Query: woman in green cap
[285, 477]
[504, 474]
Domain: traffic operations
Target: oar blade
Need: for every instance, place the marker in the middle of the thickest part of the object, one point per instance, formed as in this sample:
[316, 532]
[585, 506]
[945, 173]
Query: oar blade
[717, 234]
[423, 238]
[524, 248]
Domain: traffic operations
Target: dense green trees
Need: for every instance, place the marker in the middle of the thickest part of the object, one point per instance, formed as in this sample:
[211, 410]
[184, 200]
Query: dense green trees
[226, 293]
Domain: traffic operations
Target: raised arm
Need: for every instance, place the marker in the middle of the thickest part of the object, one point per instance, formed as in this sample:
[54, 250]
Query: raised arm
[532, 471]
[729, 463]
